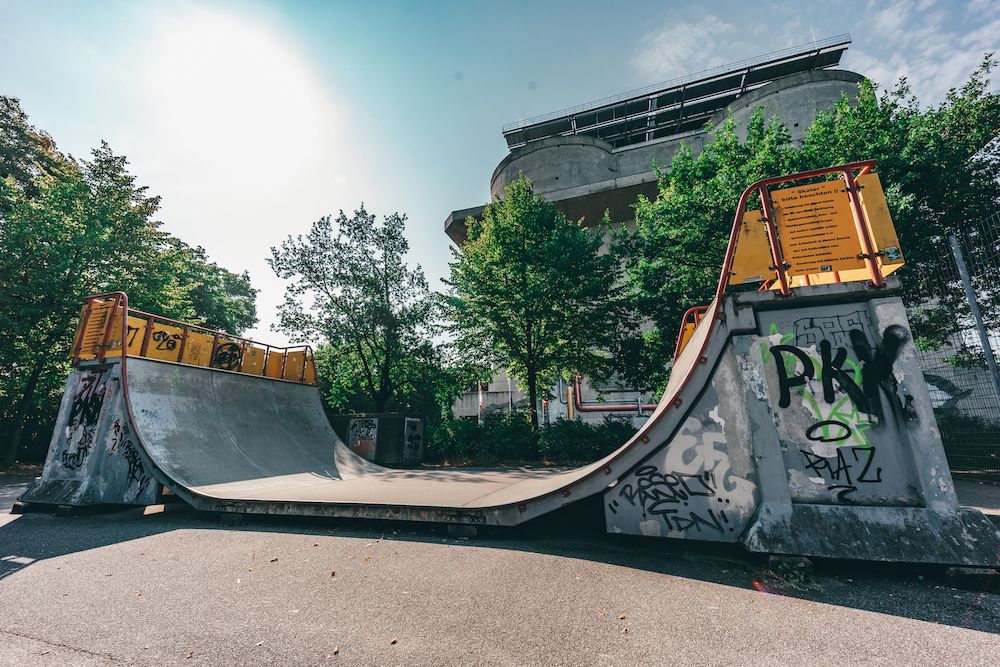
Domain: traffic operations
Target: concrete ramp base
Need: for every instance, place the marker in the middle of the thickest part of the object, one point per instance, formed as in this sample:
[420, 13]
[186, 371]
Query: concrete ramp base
[899, 534]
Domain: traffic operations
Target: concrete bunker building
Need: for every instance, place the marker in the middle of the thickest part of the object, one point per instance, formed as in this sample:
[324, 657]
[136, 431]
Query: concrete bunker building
[599, 157]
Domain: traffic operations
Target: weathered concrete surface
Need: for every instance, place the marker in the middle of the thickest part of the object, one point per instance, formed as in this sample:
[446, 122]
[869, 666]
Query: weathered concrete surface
[528, 596]
[92, 456]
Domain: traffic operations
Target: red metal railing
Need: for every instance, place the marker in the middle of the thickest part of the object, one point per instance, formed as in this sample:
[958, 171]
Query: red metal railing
[761, 189]
[235, 359]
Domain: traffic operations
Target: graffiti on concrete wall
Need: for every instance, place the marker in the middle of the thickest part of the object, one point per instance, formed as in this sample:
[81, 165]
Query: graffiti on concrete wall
[121, 443]
[702, 483]
[837, 390]
[361, 437]
[413, 440]
[85, 411]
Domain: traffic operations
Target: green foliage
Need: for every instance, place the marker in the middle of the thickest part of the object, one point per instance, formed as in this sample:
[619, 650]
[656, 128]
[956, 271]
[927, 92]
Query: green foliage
[70, 228]
[427, 382]
[219, 299]
[374, 314]
[509, 439]
[531, 292]
[572, 441]
[940, 169]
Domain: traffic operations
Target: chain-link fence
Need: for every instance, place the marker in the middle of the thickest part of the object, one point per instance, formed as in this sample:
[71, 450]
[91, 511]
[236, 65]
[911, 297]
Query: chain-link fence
[964, 389]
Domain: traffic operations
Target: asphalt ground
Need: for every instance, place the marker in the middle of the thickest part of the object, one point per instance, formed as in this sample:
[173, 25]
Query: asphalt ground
[179, 588]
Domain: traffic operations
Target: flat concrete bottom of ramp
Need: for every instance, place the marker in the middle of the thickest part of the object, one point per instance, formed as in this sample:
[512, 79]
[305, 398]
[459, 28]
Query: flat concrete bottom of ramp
[227, 441]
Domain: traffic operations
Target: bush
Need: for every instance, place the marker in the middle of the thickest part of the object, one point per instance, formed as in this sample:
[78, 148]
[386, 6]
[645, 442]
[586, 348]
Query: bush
[570, 441]
[509, 439]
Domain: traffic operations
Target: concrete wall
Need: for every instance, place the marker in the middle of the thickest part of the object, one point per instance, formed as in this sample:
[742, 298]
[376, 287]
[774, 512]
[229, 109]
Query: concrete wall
[795, 100]
[585, 176]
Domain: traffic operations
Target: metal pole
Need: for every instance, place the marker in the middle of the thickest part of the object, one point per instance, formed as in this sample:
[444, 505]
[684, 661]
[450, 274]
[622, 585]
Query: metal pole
[970, 295]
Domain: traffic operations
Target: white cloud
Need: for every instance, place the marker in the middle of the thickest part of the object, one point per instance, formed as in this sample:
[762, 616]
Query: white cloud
[934, 48]
[678, 48]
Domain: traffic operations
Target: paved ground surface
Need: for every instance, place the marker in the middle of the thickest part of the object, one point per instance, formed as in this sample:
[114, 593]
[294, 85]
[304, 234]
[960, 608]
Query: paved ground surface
[179, 588]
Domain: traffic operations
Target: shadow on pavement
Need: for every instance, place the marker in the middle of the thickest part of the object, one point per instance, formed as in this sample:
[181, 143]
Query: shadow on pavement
[577, 531]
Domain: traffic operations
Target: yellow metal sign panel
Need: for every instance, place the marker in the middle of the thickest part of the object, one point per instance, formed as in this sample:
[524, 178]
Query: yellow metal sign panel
[275, 361]
[198, 349]
[880, 226]
[816, 228]
[310, 371]
[164, 342]
[115, 339]
[92, 338]
[227, 355]
[253, 361]
[294, 364]
[136, 335]
[752, 260]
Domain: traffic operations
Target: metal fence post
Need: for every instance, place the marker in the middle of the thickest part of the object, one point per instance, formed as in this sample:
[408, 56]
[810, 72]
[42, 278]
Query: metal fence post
[970, 295]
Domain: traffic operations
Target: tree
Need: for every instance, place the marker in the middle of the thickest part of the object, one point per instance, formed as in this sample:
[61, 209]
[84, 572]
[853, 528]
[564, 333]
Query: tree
[68, 228]
[940, 169]
[532, 292]
[219, 299]
[373, 312]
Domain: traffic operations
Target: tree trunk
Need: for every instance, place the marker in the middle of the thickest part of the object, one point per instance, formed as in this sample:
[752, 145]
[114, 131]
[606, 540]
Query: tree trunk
[9, 453]
[533, 397]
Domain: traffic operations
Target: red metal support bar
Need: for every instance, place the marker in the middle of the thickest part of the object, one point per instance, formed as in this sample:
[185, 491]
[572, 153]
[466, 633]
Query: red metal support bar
[867, 247]
[596, 406]
[777, 257]
[184, 340]
[144, 350]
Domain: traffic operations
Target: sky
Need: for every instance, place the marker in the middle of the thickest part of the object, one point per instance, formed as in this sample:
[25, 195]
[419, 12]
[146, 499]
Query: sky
[253, 119]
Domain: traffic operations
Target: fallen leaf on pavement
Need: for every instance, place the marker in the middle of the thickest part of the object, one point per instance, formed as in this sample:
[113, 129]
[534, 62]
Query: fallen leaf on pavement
[336, 650]
[622, 617]
[394, 640]
[333, 572]
[625, 631]
[274, 560]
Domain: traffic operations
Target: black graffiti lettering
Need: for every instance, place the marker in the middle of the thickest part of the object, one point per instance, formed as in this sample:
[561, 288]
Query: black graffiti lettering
[227, 356]
[132, 331]
[786, 383]
[75, 459]
[819, 464]
[831, 366]
[877, 366]
[842, 467]
[613, 506]
[868, 464]
[844, 434]
[844, 494]
[693, 520]
[165, 340]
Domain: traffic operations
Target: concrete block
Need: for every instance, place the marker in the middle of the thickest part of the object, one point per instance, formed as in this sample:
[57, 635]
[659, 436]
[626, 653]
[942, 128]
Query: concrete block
[978, 579]
[461, 530]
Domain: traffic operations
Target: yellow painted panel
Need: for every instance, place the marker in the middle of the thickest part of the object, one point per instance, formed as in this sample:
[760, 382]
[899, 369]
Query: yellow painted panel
[294, 366]
[93, 336]
[816, 229]
[880, 226]
[136, 334]
[752, 259]
[198, 349]
[164, 342]
[227, 355]
[274, 362]
[689, 328]
[115, 340]
[310, 371]
[253, 360]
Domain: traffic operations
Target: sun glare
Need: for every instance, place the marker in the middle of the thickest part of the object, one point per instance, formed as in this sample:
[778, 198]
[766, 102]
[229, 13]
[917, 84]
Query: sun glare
[234, 99]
